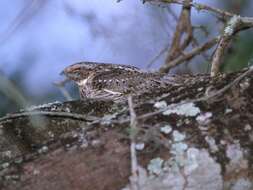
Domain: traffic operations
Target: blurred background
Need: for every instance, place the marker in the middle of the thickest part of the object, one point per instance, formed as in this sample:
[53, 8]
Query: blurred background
[38, 38]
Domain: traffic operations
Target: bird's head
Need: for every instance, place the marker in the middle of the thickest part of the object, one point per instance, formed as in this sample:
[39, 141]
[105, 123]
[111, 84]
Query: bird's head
[79, 72]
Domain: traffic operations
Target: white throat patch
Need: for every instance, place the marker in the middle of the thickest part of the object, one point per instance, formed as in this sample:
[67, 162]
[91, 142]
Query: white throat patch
[82, 82]
[112, 92]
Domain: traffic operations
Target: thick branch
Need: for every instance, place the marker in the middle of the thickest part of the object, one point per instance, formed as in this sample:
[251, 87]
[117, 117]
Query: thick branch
[229, 31]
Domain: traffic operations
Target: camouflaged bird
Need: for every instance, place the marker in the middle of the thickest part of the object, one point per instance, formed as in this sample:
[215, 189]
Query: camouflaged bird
[111, 81]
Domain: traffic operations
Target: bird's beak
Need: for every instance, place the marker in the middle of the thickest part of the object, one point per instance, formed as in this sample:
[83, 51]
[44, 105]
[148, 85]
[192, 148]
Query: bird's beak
[62, 73]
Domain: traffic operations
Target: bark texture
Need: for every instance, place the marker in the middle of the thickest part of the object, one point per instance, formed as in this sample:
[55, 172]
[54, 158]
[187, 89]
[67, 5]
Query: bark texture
[204, 143]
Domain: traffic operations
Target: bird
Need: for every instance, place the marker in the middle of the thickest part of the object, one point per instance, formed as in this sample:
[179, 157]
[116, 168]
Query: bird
[111, 81]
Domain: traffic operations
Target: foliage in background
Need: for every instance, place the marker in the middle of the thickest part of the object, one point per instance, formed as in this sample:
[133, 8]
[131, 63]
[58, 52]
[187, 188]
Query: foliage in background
[240, 53]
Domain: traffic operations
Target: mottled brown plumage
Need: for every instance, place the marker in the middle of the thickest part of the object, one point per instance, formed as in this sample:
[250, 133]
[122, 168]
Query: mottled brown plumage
[111, 81]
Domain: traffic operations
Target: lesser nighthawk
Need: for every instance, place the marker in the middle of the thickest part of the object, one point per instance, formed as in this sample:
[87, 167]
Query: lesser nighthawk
[111, 81]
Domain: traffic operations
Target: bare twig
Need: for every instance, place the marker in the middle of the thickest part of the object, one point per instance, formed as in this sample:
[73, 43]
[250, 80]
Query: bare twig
[61, 87]
[76, 116]
[157, 56]
[204, 54]
[11, 91]
[30, 9]
[189, 56]
[172, 13]
[183, 28]
[133, 120]
[224, 15]
[134, 163]
[234, 82]
[198, 6]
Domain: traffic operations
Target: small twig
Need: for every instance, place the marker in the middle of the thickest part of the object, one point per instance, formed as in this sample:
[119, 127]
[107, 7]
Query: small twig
[76, 116]
[203, 54]
[162, 51]
[30, 9]
[10, 90]
[224, 15]
[62, 83]
[61, 87]
[185, 177]
[134, 163]
[183, 28]
[172, 13]
[202, 28]
[188, 56]
[234, 82]
[133, 120]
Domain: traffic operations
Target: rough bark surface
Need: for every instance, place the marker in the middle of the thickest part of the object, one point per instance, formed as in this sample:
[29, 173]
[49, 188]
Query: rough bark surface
[204, 143]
